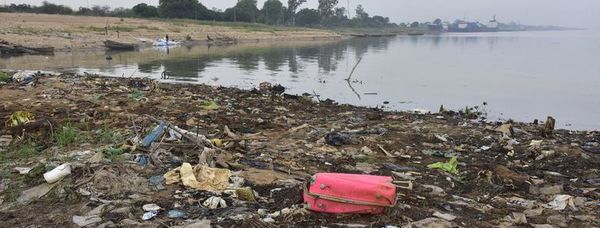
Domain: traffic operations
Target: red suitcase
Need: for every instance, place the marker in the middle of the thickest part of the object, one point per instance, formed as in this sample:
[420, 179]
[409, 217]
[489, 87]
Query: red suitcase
[349, 193]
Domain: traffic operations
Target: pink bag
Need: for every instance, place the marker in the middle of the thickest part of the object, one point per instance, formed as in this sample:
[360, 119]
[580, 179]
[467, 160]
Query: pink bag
[349, 193]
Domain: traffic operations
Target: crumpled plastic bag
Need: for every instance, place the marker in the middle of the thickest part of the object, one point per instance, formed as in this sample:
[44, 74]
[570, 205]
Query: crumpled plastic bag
[19, 118]
[449, 166]
[199, 177]
[561, 202]
[215, 202]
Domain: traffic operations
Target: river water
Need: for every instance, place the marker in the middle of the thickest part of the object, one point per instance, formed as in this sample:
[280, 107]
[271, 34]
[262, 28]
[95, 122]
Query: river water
[520, 75]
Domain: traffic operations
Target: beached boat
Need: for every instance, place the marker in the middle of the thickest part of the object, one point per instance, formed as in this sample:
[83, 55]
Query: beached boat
[18, 49]
[114, 45]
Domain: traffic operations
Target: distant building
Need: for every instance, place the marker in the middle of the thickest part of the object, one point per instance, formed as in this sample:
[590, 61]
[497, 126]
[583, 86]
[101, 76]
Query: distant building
[466, 26]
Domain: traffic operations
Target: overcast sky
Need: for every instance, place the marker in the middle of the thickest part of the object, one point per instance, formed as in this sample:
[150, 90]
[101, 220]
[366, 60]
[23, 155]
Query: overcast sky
[576, 13]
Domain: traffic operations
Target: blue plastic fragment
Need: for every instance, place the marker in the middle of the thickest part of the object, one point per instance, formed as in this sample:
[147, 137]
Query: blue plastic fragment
[154, 135]
[176, 214]
[142, 159]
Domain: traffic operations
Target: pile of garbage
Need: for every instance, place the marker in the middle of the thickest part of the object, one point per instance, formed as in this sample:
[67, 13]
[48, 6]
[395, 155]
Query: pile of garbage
[89, 151]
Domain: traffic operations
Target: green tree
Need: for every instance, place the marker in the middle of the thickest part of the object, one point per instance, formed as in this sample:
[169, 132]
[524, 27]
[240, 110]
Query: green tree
[245, 10]
[272, 11]
[145, 10]
[437, 21]
[178, 8]
[326, 7]
[340, 13]
[414, 24]
[361, 13]
[50, 8]
[307, 17]
[292, 7]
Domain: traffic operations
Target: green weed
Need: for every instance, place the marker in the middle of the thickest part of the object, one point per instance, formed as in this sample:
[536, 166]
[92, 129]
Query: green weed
[66, 135]
[5, 77]
[107, 135]
[114, 154]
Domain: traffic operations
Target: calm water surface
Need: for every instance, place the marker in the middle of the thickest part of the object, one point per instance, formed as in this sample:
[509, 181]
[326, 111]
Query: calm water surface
[523, 76]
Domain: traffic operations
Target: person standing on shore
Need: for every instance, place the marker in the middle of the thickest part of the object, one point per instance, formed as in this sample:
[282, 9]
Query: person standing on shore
[167, 39]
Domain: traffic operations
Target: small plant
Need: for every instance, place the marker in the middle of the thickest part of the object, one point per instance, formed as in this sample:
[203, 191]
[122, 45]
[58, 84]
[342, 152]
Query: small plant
[475, 112]
[66, 135]
[137, 95]
[114, 154]
[107, 135]
[5, 77]
[27, 150]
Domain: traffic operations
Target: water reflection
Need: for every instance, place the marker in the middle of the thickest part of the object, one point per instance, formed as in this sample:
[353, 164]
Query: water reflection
[456, 70]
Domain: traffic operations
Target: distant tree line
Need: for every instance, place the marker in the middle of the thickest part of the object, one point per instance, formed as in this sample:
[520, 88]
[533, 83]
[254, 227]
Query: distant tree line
[273, 12]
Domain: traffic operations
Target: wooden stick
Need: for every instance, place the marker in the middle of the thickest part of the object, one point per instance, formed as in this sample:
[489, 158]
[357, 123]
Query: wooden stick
[385, 151]
[354, 68]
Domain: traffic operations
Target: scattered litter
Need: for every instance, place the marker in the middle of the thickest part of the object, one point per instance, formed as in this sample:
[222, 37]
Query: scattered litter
[443, 154]
[449, 166]
[82, 221]
[430, 222]
[57, 173]
[149, 215]
[337, 139]
[35, 193]
[443, 216]
[19, 118]
[215, 202]
[176, 214]
[349, 193]
[22, 170]
[157, 182]
[151, 207]
[561, 202]
[154, 135]
[200, 177]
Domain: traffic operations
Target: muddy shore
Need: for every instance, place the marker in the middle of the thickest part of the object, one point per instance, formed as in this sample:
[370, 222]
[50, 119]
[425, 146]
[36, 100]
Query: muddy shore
[508, 174]
[66, 33]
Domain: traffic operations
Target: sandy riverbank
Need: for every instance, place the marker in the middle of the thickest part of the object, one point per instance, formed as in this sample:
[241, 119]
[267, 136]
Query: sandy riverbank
[82, 32]
[507, 174]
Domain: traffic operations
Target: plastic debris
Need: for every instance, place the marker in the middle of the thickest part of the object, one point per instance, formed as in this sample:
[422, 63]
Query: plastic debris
[19, 118]
[151, 207]
[23, 77]
[214, 202]
[337, 139]
[86, 220]
[22, 170]
[443, 154]
[443, 216]
[200, 177]
[154, 135]
[57, 173]
[561, 202]
[199, 224]
[142, 159]
[35, 193]
[157, 182]
[149, 215]
[209, 105]
[449, 166]
[545, 154]
[176, 214]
